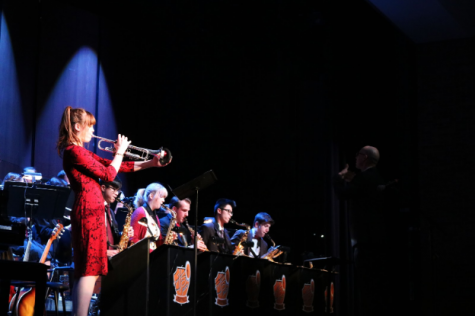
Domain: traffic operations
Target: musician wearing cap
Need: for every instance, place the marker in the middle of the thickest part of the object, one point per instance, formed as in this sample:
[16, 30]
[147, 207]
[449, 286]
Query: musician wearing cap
[261, 226]
[145, 221]
[184, 237]
[110, 191]
[84, 169]
[215, 236]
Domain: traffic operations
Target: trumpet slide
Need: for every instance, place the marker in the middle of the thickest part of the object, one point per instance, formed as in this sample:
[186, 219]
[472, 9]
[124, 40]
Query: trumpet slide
[143, 154]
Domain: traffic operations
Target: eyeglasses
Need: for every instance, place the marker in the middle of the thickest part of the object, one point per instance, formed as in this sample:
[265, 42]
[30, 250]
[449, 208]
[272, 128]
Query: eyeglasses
[113, 189]
[357, 154]
[229, 211]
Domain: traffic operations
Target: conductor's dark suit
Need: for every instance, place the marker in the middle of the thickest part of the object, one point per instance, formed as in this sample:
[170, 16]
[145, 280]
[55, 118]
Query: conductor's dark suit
[366, 206]
[368, 236]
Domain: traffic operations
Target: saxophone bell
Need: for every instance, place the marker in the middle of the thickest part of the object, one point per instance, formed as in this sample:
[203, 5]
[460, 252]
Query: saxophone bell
[170, 237]
[240, 247]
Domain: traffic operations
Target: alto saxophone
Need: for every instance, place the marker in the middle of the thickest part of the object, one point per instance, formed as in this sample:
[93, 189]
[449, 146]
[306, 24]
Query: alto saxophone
[169, 240]
[273, 251]
[239, 250]
[124, 239]
[192, 232]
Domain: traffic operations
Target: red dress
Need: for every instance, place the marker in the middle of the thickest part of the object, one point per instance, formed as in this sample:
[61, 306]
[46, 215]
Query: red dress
[84, 169]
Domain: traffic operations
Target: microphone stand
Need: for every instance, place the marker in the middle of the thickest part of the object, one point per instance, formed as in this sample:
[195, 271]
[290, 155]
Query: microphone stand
[195, 242]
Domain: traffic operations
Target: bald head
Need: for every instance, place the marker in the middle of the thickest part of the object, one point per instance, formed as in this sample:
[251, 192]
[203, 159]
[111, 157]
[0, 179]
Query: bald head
[372, 153]
[367, 157]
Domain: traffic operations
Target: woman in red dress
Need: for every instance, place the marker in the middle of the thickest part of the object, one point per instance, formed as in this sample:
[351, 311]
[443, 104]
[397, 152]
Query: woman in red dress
[84, 169]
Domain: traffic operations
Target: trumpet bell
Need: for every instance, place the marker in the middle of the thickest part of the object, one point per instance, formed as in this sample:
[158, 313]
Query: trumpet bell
[164, 154]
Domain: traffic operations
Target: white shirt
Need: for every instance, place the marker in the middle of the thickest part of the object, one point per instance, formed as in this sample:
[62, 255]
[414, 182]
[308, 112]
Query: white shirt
[255, 248]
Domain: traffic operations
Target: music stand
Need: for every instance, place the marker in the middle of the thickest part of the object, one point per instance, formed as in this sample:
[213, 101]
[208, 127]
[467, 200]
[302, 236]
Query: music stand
[184, 191]
[327, 262]
[45, 201]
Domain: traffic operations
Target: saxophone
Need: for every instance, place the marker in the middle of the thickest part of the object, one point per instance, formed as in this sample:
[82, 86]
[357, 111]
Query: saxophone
[192, 231]
[169, 240]
[273, 251]
[239, 250]
[124, 239]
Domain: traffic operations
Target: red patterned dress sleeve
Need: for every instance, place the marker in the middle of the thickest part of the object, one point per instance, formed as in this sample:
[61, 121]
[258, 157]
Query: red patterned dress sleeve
[126, 166]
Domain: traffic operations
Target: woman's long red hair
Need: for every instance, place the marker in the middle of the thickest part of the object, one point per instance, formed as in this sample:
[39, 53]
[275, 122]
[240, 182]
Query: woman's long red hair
[67, 135]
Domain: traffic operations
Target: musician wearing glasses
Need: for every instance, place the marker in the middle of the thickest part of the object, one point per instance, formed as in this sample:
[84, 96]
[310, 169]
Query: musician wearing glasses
[185, 237]
[84, 169]
[110, 191]
[215, 236]
[261, 226]
[144, 219]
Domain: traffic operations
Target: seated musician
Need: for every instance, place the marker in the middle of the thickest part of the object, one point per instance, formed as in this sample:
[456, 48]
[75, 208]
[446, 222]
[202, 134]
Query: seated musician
[63, 177]
[110, 191]
[261, 226]
[215, 236]
[181, 208]
[12, 176]
[144, 219]
[28, 178]
[37, 247]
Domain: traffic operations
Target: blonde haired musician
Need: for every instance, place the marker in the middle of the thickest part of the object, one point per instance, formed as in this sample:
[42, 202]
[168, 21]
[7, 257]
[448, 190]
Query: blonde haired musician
[144, 219]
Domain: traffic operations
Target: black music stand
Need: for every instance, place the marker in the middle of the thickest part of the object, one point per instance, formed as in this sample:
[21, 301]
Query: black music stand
[327, 263]
[125, 289]
[44, 201]
[184, 191]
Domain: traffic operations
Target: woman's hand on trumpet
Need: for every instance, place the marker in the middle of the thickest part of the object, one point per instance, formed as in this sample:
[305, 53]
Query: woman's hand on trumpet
[121, 144]
[120, 147]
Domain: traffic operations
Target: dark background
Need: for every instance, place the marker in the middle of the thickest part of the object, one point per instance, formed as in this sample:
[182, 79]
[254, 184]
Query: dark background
[275, 97]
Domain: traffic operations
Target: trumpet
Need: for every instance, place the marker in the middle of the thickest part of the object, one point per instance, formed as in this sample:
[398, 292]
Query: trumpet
[144, 154]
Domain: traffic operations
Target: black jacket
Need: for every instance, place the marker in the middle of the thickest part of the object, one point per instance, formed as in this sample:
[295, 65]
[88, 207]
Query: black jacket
[209, 231]
[367, 214]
